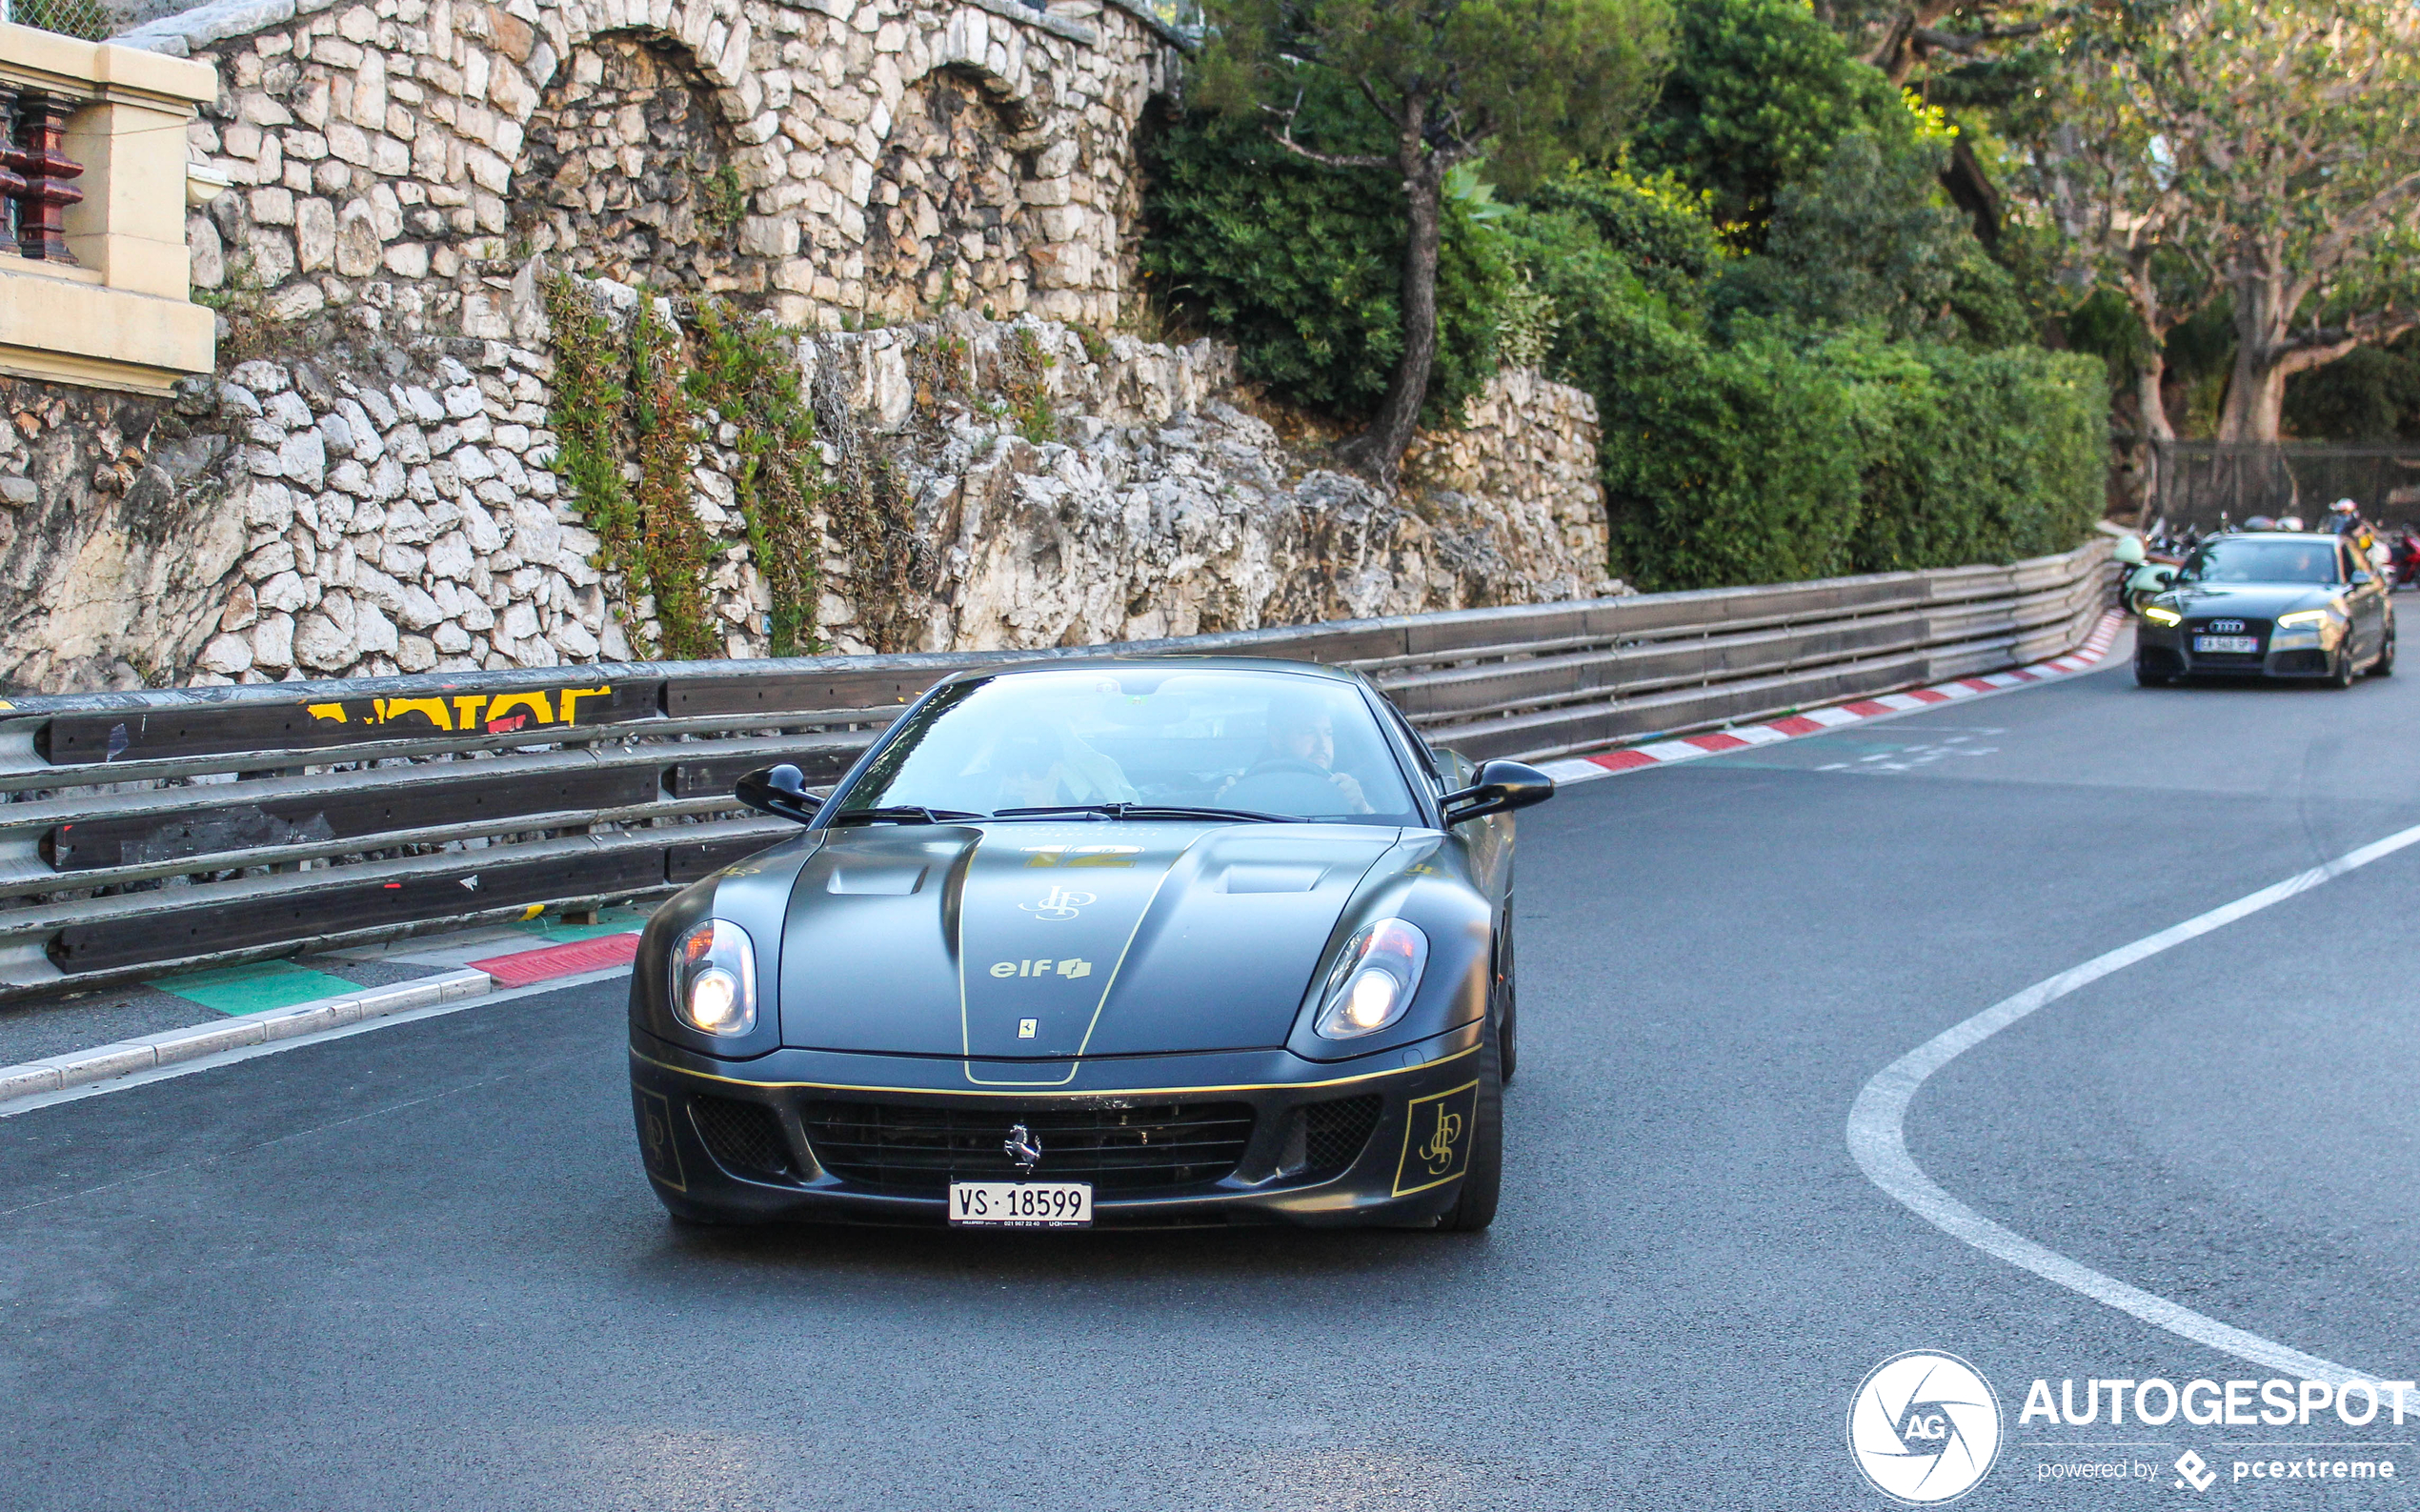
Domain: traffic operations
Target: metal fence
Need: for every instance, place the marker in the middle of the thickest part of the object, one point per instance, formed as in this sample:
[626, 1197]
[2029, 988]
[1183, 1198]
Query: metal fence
[146, 832]
[2204, 484]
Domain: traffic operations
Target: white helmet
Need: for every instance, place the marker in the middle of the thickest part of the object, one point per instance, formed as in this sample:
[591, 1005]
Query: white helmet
[2345, 506]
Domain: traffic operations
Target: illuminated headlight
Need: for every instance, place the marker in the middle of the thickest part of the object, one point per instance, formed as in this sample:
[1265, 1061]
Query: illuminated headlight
[1373, 980]
[714, 979]
[2158, 616]
[2304, 616]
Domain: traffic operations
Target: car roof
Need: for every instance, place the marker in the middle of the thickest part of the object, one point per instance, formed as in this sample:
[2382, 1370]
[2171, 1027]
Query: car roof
[1308, 669]
[2282, 535]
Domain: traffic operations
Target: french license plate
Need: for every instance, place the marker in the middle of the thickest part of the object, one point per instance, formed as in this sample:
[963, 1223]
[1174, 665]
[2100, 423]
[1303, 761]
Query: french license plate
[1021, 1204]
[2228, 645]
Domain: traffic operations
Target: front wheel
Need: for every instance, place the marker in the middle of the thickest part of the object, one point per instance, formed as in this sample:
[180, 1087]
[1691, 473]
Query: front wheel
[1507, 1011]
[1483, 1178]
[2343, 674]
[2385, 665]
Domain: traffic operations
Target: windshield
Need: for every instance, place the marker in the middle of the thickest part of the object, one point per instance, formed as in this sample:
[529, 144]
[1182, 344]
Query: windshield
[2273, 559]
[1263, 742]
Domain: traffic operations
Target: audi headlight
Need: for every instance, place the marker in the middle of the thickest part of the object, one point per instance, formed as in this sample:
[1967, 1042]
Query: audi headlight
[2158, 616]
[1373, 980]
[2302, 617]
[714, 979]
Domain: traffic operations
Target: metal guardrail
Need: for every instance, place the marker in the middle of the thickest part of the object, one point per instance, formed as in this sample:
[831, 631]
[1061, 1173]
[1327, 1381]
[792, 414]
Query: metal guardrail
[146, 832]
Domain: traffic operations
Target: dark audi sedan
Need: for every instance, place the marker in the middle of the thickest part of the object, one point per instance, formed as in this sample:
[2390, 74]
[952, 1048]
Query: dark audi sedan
[1115, 943]
[2269, 604]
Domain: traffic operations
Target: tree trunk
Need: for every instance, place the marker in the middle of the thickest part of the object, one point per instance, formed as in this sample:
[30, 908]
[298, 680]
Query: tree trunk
[2151, 421]
[1381, 448]
[2256, 391]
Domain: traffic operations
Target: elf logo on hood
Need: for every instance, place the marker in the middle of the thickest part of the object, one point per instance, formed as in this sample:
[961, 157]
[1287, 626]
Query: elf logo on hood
[1072, 967]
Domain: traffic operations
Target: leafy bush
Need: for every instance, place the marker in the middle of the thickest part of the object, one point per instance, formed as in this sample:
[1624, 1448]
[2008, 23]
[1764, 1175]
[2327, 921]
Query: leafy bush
[1769, 453]
[1299, 267]
[1758, 94]
[1865, 240]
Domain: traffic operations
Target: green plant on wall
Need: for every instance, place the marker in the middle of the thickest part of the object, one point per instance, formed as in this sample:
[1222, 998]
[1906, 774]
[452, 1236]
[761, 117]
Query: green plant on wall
[612, 394]
[747, 373]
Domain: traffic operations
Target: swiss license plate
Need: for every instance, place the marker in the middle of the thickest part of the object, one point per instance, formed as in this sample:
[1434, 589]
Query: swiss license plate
[2228, 645]
[1021, 1204]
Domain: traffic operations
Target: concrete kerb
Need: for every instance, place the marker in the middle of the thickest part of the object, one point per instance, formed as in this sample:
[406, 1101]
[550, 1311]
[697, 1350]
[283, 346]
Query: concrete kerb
[129, 1056]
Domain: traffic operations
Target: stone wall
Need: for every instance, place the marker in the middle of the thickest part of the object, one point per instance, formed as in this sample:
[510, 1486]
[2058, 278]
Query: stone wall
[826, 162]
[385, 505]
[934, 201]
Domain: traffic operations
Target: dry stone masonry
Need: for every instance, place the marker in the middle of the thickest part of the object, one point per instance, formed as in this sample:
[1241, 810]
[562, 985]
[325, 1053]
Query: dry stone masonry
[833, 161]
[934, 202]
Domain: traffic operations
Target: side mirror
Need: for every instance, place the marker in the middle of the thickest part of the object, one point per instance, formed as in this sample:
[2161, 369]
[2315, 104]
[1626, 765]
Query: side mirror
[780, 790]
[2362, 579]
[1498, 786]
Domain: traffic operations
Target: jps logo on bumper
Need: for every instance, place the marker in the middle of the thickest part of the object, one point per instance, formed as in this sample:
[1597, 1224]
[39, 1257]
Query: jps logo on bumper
[1074, 966]
[1436, 1137]
[1059, 903]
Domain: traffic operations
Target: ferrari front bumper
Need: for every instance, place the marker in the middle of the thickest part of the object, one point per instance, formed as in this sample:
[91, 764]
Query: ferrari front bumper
[1247, 1138]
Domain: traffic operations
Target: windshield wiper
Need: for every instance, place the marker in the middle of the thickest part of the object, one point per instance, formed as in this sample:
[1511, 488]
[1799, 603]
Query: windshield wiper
[1150, 811]
[903, 814]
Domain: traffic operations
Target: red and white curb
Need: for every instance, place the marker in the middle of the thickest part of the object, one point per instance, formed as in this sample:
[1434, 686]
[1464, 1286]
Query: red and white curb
[1816, 721]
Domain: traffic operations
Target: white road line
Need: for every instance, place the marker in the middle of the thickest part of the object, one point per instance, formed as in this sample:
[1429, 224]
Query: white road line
[1877, 1134]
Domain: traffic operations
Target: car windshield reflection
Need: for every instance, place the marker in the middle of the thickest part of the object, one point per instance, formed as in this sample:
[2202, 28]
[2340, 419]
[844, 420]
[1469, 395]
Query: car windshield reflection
[1102, 742]
[2246, 559]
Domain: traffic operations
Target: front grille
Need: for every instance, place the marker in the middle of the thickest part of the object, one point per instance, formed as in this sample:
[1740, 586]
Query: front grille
[2228, 662]
[916, 1151]
[1334, 1133]
[744, 1138]
[2302, 663]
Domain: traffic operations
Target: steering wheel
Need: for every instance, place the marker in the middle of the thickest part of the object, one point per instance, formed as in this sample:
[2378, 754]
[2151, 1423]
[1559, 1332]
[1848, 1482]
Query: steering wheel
[1272, 766]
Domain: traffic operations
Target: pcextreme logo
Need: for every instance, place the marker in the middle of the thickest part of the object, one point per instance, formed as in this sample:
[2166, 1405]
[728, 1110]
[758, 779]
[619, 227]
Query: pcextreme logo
[1923, 1427]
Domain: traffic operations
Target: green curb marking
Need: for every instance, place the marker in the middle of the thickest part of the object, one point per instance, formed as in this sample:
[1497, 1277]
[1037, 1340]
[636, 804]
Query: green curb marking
[254, 988]
[555, 932]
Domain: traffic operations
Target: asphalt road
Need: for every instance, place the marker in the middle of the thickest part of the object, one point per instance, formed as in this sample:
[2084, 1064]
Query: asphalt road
[417, 1268]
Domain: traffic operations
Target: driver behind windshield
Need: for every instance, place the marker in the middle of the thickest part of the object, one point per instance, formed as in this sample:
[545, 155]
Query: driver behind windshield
[1034, 769]
[1302, 738]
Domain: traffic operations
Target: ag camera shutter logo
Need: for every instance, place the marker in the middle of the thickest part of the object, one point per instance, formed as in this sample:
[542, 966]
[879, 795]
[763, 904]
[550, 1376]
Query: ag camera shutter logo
[1925, 1427]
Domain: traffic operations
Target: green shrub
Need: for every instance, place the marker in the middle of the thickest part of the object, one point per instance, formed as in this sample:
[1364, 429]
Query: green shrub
[1758, 94]
[1300, 265]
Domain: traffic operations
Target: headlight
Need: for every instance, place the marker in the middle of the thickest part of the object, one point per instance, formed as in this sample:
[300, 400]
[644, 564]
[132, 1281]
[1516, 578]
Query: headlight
[2302, 617]
[2163, 616]
[1374, 980]
[714, 979]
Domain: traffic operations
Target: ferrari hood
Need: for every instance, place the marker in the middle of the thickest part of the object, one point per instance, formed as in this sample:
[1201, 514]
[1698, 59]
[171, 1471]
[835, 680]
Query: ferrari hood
[2253, 601]
[1041, 942]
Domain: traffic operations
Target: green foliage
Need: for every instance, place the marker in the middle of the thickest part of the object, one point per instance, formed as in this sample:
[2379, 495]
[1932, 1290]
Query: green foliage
[1659, 229]
[1760, 93]
[723, 202]
[1769, 453]
[671, 546]
[1532, 82]
[632, 397]
[747, 372]
[2370, 394]
[1300, 267]
[1865, 240]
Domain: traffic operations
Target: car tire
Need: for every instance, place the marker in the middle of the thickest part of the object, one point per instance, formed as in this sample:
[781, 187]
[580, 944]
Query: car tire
[2343, 674]
[1508, 1014]
[1484, 1179]
[2385, 665]
[2145, 678]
